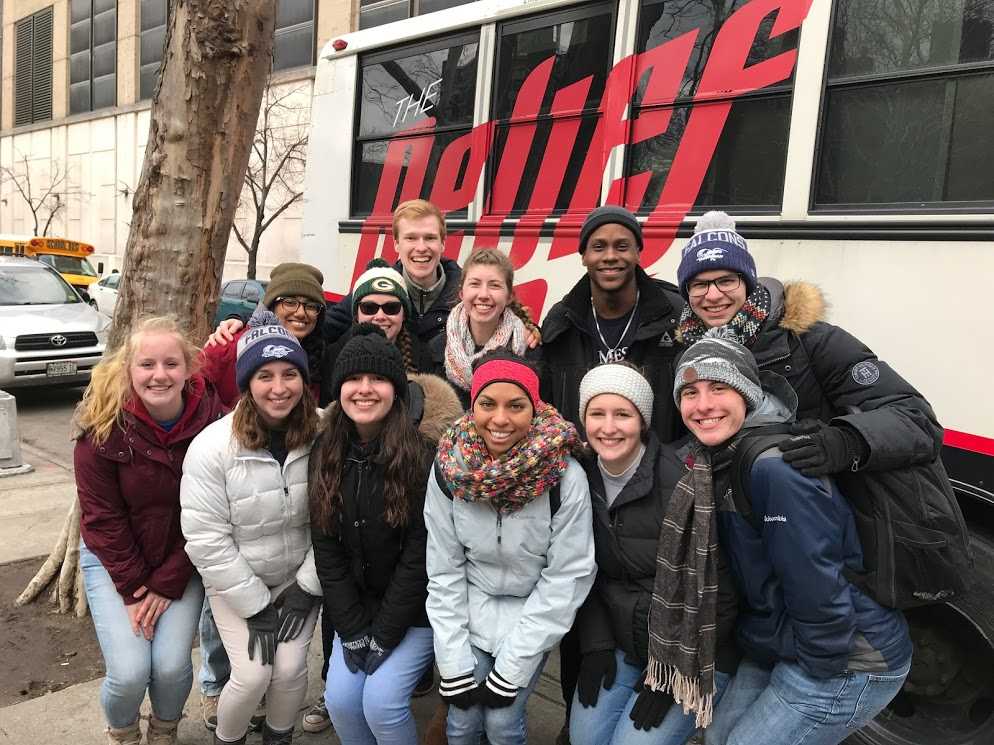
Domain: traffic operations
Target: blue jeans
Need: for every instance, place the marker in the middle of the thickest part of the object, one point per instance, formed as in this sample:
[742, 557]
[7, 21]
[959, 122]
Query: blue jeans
[376, 709]
[215, 669]
[161, 666]
[507, 726]
[608, 723]
[786, 706]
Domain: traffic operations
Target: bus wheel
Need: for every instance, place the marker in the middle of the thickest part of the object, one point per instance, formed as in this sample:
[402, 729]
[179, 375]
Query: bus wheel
[948, 698]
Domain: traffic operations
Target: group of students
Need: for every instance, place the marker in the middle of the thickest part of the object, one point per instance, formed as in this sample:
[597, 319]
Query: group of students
[475, 492]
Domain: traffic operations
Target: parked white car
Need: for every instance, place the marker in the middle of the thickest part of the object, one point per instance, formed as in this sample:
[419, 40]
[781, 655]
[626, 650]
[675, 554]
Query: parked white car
[48, 334]
[104, 293]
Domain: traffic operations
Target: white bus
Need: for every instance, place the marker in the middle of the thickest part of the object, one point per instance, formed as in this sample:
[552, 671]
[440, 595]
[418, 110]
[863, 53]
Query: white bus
[852, 140]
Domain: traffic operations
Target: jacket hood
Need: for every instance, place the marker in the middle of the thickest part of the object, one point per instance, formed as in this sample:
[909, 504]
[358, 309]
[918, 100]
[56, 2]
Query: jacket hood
[779, 402]
[433, 403]
[796, 306]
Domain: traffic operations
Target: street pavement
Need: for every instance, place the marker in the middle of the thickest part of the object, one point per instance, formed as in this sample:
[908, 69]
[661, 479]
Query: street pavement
[32, 509]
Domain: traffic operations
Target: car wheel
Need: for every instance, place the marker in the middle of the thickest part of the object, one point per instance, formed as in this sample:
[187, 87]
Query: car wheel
[948, 698]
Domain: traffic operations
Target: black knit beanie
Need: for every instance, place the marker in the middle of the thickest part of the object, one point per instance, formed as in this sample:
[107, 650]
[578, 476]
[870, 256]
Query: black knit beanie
[368, 351]
[606, 215]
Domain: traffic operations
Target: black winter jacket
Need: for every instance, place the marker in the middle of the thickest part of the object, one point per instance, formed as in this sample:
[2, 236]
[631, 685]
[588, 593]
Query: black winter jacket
[831, 371]
[569, 348]
[616, 613]
[426, 326]
[373, 575]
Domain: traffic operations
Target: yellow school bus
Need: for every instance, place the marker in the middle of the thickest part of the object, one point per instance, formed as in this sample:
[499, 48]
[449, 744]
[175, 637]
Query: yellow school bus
[68, 258]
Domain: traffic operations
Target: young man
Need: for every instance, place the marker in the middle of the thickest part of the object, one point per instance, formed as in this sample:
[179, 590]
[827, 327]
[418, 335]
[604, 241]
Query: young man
[616, 312]
[432, 281]
[860, 412]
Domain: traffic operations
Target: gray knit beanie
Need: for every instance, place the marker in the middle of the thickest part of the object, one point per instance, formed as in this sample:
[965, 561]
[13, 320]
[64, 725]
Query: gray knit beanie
[721, 358]
[607, 215]
[622, 380]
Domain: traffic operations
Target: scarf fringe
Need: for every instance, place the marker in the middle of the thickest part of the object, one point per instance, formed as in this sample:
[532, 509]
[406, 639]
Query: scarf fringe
[686, 691]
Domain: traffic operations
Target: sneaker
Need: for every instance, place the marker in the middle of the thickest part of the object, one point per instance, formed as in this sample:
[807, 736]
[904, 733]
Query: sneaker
[125, 735]
[259, 718]
[208, 709]
[161, 732]
[317, 718]
[426, 685]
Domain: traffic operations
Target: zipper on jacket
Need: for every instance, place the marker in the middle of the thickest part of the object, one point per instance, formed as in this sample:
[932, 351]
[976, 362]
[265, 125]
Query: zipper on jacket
[500, 521]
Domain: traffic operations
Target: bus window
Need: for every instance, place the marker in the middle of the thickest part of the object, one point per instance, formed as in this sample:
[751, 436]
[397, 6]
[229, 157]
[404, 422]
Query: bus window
[68, 264]
[907, 106]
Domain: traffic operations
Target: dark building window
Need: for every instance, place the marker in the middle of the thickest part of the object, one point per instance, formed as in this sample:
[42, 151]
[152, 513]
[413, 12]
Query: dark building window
[377, 12]
[747, 170]
[92, 54]
[906, 120]
[398, 90]
[154, 14]
[293, 43]
[33, 68]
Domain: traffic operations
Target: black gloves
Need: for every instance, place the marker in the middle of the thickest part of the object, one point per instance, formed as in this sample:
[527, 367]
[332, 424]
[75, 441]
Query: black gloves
[820, 449]
[294, 605]
[355, 651]
[650, 706]
[596, 669]
[262, 629]
[461, 692]
[496, 693]
[376, 656]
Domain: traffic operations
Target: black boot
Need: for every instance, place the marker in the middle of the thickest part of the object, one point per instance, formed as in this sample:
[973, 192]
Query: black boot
[219, 741]
[272, 737]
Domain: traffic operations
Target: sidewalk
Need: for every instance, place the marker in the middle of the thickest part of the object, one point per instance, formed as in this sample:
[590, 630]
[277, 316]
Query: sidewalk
[32, 509]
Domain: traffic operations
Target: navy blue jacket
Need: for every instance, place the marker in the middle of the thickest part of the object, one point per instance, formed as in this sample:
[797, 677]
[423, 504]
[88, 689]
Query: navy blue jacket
[797, 603]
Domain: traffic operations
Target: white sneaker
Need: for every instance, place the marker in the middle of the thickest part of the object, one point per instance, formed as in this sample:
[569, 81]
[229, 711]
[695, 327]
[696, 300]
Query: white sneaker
[317, 718]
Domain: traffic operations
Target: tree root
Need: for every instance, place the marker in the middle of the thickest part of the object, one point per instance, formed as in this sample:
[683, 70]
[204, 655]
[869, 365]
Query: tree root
[67, 592]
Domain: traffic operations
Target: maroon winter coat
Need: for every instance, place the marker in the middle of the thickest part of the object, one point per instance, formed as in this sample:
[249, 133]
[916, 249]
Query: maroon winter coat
[129, 494]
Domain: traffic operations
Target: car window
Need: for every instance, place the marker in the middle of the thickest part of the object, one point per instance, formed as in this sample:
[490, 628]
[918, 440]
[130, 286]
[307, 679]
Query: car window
[252, 293]
[233, 289]
[28, 285]
[113, 281]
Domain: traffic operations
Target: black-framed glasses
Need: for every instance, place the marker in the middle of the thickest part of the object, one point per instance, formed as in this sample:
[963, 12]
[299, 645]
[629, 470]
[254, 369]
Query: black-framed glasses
[292, 304]
[725, 284]
[391, 307]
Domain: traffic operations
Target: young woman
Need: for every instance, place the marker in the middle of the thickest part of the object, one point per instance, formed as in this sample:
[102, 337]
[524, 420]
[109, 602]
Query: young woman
[487, 317]
[632, 477]
[367, 485]
[821, 658]
[245, 517]
[144, 405]
[380, 298]
[510, 549]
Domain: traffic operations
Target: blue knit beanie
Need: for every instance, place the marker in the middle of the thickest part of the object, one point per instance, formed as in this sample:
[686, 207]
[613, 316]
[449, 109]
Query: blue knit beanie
[267, 341]
[716, 249]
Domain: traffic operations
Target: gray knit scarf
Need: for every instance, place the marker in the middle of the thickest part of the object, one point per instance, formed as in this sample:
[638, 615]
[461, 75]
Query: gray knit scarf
[683, 611]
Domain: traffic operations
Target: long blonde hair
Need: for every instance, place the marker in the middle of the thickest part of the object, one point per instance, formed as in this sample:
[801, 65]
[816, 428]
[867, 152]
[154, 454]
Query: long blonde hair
[110, 382]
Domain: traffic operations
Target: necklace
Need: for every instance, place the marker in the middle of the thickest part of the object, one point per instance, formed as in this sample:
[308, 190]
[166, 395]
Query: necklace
[611, 350]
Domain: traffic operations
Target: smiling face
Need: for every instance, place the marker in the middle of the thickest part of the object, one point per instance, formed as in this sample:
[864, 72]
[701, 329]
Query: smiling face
[503, 415]
[614, 430]
[712, 411]
[484, 293]
[610, 257]
[159, 371]
[717, 307]
[366, 399]
[419, 244]
[391, 324]
[300, 321]
[276, 388]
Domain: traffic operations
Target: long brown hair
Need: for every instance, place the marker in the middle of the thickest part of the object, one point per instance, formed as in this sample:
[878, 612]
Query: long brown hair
[252, 433]
[402, 449]
[495, 258]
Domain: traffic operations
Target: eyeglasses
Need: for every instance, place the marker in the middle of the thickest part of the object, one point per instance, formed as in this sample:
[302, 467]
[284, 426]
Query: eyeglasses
[726, 284]
[391, 308]
[292, 304]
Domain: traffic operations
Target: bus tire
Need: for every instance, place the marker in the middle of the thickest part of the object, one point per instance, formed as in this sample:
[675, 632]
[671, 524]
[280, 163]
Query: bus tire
[948, 698]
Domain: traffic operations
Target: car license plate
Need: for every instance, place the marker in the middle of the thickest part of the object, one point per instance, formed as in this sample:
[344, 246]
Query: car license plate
[55, 369]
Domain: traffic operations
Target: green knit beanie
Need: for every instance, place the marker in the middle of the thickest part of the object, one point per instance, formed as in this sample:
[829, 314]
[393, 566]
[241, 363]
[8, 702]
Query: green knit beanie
[292, 279]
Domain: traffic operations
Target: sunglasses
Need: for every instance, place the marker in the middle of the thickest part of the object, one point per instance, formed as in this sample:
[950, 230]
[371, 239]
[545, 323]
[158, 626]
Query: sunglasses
[391, 308]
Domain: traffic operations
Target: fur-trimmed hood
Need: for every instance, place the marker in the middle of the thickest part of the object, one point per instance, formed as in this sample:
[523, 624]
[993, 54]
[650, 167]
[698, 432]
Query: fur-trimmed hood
[434, 404]
[795, 306]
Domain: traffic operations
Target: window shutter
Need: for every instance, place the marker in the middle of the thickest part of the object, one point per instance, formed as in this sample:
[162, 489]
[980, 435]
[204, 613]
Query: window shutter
[22, 71]
[41, 79]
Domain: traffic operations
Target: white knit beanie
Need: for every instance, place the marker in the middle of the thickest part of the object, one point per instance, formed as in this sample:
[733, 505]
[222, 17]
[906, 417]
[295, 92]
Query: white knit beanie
[621, 380]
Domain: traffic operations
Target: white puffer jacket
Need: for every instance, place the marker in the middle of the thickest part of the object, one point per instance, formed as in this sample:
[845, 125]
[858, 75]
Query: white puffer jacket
[245, 519]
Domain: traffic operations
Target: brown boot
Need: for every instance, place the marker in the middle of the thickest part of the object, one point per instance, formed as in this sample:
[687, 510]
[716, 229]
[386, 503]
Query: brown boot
[161, 731]
[125, 736]
[435, 733]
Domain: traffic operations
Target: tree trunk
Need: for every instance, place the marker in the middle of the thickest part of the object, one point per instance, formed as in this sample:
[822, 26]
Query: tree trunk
[253, 252]
[217, 58]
